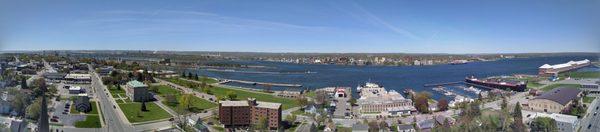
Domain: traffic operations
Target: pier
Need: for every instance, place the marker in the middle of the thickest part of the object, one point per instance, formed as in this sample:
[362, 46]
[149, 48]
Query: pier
[260, 83]
[442, 84]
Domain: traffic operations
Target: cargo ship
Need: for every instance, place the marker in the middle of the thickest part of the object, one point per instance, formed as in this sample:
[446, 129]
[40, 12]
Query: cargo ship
[497, 83]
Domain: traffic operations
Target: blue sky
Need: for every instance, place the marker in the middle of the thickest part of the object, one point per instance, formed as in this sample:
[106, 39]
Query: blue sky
[391, 26]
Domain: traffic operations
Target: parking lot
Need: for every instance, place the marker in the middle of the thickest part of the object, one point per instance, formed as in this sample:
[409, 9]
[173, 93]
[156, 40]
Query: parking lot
[63, 115]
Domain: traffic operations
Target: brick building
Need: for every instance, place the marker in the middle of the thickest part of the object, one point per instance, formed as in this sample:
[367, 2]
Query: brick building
[245, 113]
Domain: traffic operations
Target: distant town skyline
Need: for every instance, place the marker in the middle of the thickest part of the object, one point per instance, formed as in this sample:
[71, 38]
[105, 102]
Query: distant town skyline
[456, 27]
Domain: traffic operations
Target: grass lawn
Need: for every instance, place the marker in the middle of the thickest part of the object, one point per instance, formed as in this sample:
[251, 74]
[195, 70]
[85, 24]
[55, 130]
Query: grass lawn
[134, 114]
[311, 94]
[188, 84]
[94, 109]
[91, 121]
[533, 84]
[114, 91]
[587, 74]
[197, 103]
[242, 95]
[553, 86]
[588, 99]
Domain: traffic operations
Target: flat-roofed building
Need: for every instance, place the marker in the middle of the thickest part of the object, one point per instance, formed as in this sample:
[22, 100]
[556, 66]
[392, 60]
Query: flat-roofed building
[549, 70]
[375, 99]
[137, 91]
[245, 113]
[565, 123]
[75, 90]
[78, 78]
[556, 100]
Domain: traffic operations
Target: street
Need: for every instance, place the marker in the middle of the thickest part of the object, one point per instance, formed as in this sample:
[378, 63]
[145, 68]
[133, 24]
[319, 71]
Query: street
[115, 120]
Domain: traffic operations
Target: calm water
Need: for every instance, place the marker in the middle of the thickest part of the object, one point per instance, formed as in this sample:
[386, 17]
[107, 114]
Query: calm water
[395, 78]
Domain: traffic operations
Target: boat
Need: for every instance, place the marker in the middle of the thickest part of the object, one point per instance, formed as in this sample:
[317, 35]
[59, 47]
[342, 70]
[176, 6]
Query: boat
[458, 62]
[369, 86]
[497, 83]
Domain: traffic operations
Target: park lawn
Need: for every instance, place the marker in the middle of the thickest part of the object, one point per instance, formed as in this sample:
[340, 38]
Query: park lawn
[243, 95]
[91, 121]
[588, 99]
[94, 109]
[181, 82]
[197, 103]
[164, 90]
[533, 84]
[553, 86]
[154, 112]
[586, 74]
[114, 91]
[311, 94]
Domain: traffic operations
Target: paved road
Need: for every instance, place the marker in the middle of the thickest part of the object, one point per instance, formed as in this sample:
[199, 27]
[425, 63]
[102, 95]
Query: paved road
[592, 119]
[115, 121]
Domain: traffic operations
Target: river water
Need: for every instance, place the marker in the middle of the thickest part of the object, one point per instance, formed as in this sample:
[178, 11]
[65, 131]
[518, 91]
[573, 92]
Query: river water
[391, 77]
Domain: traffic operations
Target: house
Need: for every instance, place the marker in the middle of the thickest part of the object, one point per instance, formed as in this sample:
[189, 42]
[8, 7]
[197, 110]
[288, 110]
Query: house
[82, 103]
[54, 77]
[426, 125]
[535, 92]
[329, 127]
[359, 127]
[104, 71]
[406, 128]
[311, 109]
[555, 101]
[18, 126]
[137, 91]
[440, 119]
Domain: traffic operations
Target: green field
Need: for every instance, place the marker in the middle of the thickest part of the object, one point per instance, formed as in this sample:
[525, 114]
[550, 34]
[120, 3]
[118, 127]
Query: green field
[587, 74]
[588, 99]
[197, 103]
[242, 95]
[134, 114]
[94, 109]
[221, 92]
[553, 86]
[91, 121]
[533, 84]
[114, 91]
[189, 84]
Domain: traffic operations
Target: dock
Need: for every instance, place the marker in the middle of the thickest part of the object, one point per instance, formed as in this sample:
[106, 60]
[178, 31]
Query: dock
[260, 83]
[442, 84]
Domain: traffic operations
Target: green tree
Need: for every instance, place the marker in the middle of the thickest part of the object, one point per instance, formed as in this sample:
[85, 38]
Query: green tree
[171, 99]
[183, 74]
[543, 124]
[518, 125]
[189, 75]
[195, 76]
[231, 95]
[442, 104]
[33, 110]
[143, 108]
[302, 101]
[291, 118]
[24, 83]
[262, 124]
[422, 101]
[186, 101]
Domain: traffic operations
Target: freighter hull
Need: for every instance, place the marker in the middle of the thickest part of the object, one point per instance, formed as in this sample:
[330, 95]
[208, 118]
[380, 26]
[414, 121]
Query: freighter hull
[513, 87]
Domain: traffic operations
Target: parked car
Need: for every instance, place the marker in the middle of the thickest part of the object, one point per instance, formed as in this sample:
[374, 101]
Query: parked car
[64, 113]
[54, 120]
[54, 117]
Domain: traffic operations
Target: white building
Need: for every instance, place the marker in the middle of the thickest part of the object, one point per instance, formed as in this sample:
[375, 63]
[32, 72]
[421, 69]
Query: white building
[565, 123]
[375, 99]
